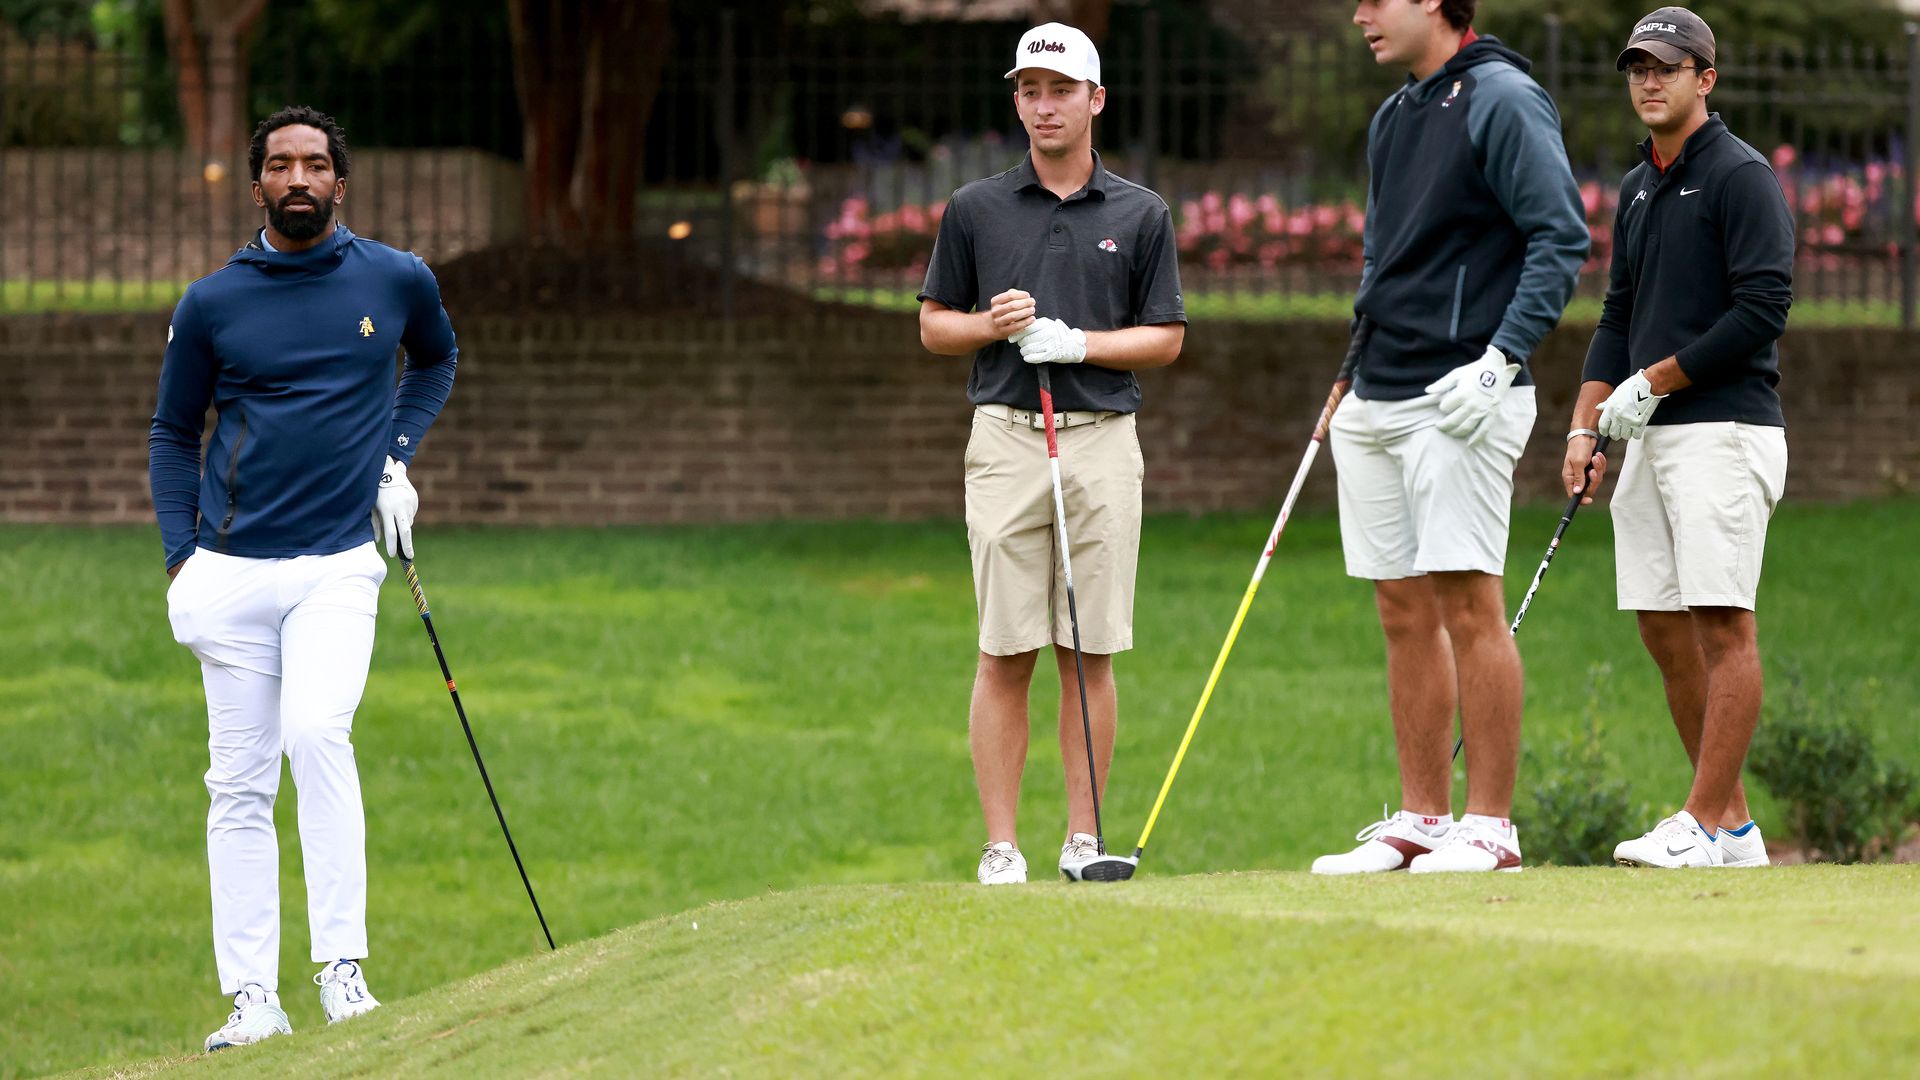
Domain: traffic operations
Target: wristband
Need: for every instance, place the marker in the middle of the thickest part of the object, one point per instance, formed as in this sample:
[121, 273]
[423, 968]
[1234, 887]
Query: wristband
[1587, 431]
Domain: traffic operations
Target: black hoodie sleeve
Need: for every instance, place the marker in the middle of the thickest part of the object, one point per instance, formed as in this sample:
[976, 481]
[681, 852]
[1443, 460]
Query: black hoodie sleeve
[1756, 231]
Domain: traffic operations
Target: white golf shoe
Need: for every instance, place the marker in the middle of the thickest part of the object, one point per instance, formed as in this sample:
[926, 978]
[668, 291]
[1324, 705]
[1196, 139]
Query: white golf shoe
[1676, 842]
[1388, 844]
[257, 1015]
[1476, 844]
[1002, 864]
[1079, 850]
[343, 991]
[1743, 851]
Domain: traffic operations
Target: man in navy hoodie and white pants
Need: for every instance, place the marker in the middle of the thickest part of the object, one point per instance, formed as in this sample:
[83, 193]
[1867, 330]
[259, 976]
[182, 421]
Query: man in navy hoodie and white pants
[270, 545]
[1474, 237]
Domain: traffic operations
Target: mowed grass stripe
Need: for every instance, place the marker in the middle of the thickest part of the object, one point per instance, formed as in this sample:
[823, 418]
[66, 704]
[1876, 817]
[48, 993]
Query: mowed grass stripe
[1283, 975]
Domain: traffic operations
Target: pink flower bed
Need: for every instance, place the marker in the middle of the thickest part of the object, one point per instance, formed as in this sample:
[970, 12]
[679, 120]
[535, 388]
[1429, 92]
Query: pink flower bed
[1840, 215]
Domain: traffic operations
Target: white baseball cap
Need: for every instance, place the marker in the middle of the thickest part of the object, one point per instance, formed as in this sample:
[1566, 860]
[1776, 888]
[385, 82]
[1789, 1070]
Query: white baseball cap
[1057, 47]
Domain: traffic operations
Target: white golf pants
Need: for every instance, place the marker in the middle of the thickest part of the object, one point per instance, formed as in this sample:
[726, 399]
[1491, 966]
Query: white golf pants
[283, 646]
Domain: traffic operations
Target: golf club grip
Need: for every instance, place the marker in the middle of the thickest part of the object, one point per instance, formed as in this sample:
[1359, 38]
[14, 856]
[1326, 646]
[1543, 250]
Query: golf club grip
[413, 583]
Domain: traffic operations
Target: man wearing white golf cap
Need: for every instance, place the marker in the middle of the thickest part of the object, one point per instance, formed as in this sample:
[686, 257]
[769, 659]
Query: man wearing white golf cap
[1055, 261]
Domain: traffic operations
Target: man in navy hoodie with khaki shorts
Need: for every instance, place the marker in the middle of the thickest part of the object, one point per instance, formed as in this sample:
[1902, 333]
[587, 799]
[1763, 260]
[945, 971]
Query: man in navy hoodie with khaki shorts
[270, 543]
[1684, 364]
[1474, 237]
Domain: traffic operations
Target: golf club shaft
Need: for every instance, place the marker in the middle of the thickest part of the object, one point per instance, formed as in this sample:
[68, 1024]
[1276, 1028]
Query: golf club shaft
[1553, 548]
[1073, 611]
[420, 600]
[1320, 429]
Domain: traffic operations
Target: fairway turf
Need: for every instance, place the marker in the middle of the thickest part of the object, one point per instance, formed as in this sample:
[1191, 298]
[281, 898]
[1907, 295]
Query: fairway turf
[1794, 972]
[675, 716]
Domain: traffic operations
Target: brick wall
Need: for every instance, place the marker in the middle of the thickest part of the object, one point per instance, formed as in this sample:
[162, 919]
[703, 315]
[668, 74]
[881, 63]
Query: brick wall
[645, 421]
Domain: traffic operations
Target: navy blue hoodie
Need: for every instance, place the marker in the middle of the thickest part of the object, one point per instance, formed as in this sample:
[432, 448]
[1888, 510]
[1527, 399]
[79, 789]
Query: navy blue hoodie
[1475, 230]
[295, 352]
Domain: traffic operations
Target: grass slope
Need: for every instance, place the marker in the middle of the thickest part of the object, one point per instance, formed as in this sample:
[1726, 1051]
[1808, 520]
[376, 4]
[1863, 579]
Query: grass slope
[1801, 971]
[675, 716]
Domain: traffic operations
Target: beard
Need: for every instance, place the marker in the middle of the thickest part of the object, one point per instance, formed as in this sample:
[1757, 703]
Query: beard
[303, 226]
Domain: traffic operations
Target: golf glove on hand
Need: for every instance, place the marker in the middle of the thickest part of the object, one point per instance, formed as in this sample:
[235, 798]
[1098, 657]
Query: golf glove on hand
[393, 510]
[1625, 413]
[1470, 395]
[1050, 341]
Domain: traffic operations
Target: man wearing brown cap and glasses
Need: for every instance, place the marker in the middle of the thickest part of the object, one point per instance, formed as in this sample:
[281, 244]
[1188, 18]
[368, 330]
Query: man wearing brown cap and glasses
[1684, 362]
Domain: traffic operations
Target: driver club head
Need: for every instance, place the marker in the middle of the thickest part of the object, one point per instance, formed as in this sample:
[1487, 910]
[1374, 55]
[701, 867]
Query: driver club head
[1104, 868]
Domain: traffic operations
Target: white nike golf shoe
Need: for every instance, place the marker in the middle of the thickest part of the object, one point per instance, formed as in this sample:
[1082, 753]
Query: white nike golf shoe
[343, 991]
[1743, 851]
[1676, 842]
[257, 1015]
[1079, 850]
[1475, 844]
[1002, 864]
[1388, 844]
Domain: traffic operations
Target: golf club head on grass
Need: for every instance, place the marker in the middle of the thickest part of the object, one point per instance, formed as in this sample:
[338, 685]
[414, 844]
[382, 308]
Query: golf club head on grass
[1104, 868]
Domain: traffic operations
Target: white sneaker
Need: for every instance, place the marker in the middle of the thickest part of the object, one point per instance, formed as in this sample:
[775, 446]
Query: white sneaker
[1002, 864]
[256, 1015]
[1475, 844]
[343, 991]
[1676, 842]
[1743, 851]
[1079, 850]
[1388, 844]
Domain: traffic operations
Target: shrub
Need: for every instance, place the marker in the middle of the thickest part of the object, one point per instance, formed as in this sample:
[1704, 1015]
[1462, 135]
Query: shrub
[1577, 807]
[1842, 800]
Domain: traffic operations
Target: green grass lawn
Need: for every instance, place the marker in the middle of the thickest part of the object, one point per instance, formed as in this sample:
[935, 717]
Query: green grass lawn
[677, 716]
[20, 296]
[1796, 972]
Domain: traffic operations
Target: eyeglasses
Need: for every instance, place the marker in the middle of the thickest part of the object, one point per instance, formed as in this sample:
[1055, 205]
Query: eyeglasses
[1664, 75]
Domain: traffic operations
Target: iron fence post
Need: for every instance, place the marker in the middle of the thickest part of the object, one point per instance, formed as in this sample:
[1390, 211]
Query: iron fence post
[724, 106]
[1150, 86]
[1555, 81]
[1912, 164]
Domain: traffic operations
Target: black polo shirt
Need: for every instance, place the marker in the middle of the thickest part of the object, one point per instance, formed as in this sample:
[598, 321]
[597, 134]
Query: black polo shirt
[1702, 271]
[1103, 258]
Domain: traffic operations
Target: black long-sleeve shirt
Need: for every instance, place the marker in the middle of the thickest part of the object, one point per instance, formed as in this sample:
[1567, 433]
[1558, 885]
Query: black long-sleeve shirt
[1702, 271]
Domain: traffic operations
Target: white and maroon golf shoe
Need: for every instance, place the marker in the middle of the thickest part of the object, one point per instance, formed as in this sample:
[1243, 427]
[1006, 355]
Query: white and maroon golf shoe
[1477, 844]
[1391, 843]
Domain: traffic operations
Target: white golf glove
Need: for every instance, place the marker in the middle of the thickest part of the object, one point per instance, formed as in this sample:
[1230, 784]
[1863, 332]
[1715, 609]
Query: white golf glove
[1625, 413]
[393, 509]
[1050, 341]
[1471, 395]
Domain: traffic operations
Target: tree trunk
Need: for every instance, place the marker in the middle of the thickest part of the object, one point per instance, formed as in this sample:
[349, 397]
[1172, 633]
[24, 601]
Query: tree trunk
[587, 73]
[209, 41]
[1091, 16]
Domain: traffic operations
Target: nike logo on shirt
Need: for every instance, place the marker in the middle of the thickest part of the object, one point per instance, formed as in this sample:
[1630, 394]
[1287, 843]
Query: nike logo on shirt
[1685, 191]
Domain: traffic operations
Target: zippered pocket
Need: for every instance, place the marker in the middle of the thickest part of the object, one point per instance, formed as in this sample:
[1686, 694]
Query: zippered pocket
[1459, 295]
[233, 491]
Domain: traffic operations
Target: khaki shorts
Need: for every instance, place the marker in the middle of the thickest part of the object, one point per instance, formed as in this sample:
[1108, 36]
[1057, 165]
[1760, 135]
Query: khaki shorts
[1017, 576]
[1690, 515]
[1415, 500]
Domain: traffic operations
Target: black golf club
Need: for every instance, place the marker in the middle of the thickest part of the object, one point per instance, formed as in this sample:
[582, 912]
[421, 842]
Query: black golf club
[1553, 546]
[420, 600]
[1107, 867]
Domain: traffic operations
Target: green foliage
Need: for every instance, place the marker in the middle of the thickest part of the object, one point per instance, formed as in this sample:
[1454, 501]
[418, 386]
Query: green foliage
[1842, 799]
[1577, 806]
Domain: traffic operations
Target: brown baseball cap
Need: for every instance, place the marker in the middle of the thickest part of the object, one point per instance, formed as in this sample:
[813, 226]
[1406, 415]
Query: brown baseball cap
[1670, 35]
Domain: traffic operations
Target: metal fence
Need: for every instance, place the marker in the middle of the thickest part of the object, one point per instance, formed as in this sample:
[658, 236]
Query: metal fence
[813, 161]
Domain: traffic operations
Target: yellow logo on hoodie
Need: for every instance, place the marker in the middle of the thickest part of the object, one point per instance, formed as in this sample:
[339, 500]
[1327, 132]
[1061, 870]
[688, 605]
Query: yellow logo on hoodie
[366, 326]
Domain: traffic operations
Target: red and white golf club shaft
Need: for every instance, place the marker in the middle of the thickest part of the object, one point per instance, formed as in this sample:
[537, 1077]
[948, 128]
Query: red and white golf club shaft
[1361, 332]
[1073, 611]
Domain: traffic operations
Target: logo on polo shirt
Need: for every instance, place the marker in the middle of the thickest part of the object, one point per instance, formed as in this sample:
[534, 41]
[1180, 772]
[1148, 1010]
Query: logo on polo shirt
[366, 326]
[1109, 245]
[1046, 46]
[1642, 195]
[1447, 104]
